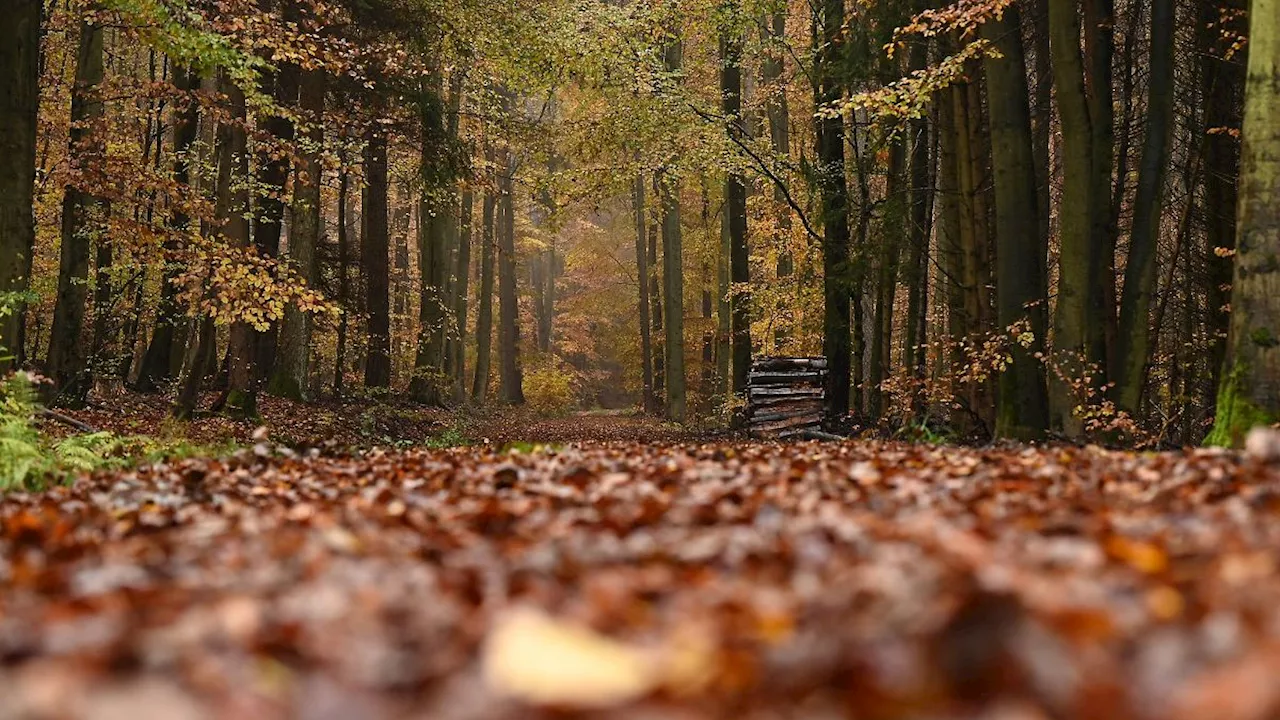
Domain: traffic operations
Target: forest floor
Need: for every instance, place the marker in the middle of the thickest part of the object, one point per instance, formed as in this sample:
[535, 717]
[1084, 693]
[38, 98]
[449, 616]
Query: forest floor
[647, 576]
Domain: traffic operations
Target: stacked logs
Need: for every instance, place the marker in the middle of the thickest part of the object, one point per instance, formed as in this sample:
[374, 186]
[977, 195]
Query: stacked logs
[785, 396]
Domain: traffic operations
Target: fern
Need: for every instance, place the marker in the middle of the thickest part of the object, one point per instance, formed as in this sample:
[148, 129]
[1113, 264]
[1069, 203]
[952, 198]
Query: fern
[28, 459]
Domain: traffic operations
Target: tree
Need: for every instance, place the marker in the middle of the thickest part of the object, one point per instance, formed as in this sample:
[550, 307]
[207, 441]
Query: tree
[484, 314]
[19, 102]
[83, 222]
[159, 362]
[374, 259]
[1251, 376]
[1076, 350]
[1133, 339]
[435, 216]
[289, 373]
[510, 374]
[837, 270]
[1021, 285]
[672, 271]
[642, 284]
[735, 211]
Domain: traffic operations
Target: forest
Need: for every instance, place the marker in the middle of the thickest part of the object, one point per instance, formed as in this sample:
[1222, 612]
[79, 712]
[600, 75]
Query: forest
[995, 221]
[640, 358]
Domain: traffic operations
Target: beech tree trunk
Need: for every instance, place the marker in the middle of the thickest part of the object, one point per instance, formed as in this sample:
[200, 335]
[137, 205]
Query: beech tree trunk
[1021, 283]
[1250, 387]
[240, 399]
[289, 375]
[344, 286]
[462, 274]
[642, 284]
[484, 314]
[435, 215]
[735, 211]
[510, 374]
[1133, 341]
[837, 281]
[19, 101]
[83, 223]
[1075, 348]
[158, 361]
[673, 273]
[374, 261]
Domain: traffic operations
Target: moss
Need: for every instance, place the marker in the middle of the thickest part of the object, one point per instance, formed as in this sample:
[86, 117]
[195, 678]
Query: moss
[282, 385]
[1263, 338]
[242, 405]
[1236, 414]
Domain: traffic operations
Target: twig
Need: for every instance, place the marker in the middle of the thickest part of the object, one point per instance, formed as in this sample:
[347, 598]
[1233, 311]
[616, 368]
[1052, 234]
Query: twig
[67, 420]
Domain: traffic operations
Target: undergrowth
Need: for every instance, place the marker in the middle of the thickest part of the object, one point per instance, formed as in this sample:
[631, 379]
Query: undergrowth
[33, 460]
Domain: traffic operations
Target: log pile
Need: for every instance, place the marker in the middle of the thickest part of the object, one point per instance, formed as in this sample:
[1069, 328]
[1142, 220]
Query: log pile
[786, 396]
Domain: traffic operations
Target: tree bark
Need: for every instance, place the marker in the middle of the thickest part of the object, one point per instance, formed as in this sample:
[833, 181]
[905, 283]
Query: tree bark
[673, 271]
[837, 281]
[1022, 410]
[435, 215]
[642, 283]
[510, 374]
[1133, 341]
[735, 211]
[462, 274]
[484, 314]
[1250, 388]
[374, 260]
[19, 101]
[1223, 84]
[240, 400]
[778, 114]
[289, 374]
[344, 287]
[83, 223]
[1075, 352]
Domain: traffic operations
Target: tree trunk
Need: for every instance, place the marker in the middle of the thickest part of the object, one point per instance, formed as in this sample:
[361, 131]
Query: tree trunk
[1133, 341]
[510, 375]
[642, 283]
[344, 287]
[83, 223]
[891, 236]
[158, 361]
[1022, 410]
[484, 315]
[289, 374]
[735, 211]
[374, 261]
[1223, 83]
[837, 271]
[673, 272]
[273, 175]
[920, 228]
[780, 139]
[19, 101]
[1099, 51]
[435, 215]
[241, 395]
[1250, 389]
[1075, 350]
[655, 307]
[462, 274]
[1251, 373]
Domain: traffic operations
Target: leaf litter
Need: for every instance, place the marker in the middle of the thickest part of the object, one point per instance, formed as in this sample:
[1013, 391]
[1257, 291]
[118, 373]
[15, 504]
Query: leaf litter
[649, 580]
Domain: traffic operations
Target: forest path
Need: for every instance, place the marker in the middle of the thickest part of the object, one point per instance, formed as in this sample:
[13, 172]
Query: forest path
[642, 580]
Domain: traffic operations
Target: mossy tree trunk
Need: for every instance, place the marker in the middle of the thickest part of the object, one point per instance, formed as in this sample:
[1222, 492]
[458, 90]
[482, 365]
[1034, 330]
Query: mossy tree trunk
[673, 271]
[375, 262]
[484, 313]
[1249, 391]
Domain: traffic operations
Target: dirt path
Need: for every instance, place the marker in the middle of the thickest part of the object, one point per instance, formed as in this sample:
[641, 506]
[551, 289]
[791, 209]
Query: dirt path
[628, 580]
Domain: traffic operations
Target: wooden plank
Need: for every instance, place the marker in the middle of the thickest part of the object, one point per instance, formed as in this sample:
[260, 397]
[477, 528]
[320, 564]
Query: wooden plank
[803, 421]
[785, 391]
[780, 363]
[786, 378]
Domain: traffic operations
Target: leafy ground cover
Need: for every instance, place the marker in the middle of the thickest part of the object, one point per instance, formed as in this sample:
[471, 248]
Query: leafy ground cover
[634, 579]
